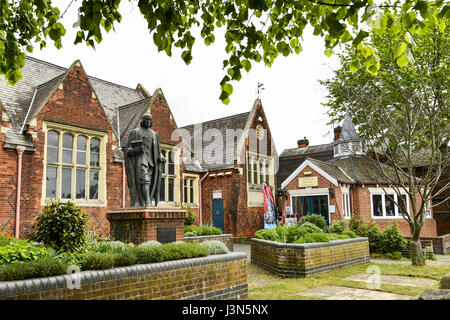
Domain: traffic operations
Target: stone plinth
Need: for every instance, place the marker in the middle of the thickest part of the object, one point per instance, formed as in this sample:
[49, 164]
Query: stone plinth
[141, 224]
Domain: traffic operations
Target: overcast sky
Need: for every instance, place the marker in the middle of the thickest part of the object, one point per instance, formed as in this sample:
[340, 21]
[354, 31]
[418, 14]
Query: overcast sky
[291, 98]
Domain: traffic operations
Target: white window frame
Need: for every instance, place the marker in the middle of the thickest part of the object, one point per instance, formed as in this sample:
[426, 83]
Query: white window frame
[346, 208]
[427, 209]
[383, 195]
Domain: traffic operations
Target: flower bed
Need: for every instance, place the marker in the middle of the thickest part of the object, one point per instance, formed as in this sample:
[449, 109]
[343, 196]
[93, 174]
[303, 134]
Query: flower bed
[306, 259]
[227, 239]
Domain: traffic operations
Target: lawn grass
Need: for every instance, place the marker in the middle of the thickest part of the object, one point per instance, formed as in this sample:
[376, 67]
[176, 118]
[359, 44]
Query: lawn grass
[289, 289]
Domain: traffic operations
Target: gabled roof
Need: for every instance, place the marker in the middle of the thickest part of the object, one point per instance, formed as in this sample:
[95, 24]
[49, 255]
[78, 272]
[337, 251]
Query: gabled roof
[39, 81]
[235, 122]
[129, 116]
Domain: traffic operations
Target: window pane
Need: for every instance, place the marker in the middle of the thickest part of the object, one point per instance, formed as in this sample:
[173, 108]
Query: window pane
[164, 165]
[249, 169]
[66, 183]
[402, 204]
[185, 190]
[390, 205]
[255, 172]
[377, 205]
[67, 148]
[81, 149]
[95, 152]
[52, 146]
[93, 184]
[267, 171]
[81, 184]
[162, 190]
[171, 195]
[261, 171]
[191, 191]
[51, 179]
[171, 165]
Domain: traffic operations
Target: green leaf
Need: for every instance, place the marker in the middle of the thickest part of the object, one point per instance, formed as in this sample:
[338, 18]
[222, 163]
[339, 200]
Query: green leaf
[400, 49]
[246, 64]
[402, 61]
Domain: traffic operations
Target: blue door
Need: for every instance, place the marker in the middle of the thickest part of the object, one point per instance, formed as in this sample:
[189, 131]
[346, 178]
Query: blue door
[218, 214]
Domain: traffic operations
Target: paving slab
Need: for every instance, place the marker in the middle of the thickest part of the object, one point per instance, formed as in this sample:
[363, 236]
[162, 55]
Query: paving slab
[345, 293]
[397, 280]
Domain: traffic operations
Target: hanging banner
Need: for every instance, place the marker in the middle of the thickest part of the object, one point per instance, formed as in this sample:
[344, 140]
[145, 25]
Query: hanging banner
[269, 208]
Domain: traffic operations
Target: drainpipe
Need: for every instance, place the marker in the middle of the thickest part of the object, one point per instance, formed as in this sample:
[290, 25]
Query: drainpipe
[200, 196]
[19, 186]
[124, 200]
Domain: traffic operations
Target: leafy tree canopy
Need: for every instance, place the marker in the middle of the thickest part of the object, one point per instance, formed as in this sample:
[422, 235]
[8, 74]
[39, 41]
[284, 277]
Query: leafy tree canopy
[255, 30]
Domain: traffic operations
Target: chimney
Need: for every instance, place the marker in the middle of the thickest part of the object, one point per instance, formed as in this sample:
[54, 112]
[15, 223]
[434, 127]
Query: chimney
[337, 133]
[303, 143]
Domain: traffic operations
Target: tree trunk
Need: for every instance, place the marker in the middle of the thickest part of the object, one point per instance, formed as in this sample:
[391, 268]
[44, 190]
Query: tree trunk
[415, 250]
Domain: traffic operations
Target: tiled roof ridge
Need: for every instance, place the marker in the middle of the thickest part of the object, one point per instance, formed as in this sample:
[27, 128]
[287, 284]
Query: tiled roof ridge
[217, 119]
[89, 76]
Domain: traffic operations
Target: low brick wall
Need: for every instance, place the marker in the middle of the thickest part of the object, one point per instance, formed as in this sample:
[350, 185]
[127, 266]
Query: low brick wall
[227, 239]
[303, 260]
[213, 277]
[441, 244]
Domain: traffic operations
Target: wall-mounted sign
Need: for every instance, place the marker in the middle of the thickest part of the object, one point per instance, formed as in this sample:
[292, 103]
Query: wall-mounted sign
[217, 194]
[288, 209]
[332, 209]
[307, 173]
[308, 182]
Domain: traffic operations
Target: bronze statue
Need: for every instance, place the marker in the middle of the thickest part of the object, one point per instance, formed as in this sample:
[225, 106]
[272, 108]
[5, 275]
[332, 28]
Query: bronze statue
[143, 164]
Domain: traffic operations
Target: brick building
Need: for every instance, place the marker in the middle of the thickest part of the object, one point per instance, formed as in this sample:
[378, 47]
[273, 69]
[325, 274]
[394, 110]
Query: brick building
[61, 132]
[230, 158]
[337, 180]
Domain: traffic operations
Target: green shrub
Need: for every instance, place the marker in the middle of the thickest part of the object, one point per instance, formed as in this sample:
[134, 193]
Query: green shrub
[21, 250]
[293, 233]
[281, 232]
[108, 246]
[190, 234]
[149, 254]
[375, 240]
[203, 230]
[42, 267]
[190, 220]
[215, 246]
[358, 226]
[267, 234]
[61, 225]
[150, 243]
[337, 236]
[316, 237]
[123, 259]
[392, 239]
[97, 261]
[183, 250]
[337, 227]
[310, 228]
[316, 219]
[350, 234]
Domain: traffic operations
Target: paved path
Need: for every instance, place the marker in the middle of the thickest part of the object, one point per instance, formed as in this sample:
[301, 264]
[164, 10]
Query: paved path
[441, 260]
[345, 293]
[397, 280]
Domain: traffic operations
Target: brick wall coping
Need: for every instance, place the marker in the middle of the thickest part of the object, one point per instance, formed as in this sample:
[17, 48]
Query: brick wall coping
[310, 245]
[12, 288]
[225, 235]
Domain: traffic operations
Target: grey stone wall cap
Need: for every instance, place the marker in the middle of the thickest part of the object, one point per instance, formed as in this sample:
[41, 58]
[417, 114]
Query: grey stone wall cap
[225, 235]
[309, 245]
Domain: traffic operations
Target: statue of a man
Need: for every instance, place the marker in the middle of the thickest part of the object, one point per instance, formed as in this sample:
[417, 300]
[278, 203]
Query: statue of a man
[143, 162]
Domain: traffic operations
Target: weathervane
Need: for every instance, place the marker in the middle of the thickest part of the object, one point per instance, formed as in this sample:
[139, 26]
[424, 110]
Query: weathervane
[259, 88]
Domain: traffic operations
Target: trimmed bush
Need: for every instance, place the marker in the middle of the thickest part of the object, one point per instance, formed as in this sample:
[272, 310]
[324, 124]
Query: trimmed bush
[316, 237]
[62, 225]
[215, 247]
[337, 236]
[310, 228]
[316, 219]
[190, 234]
[108, 246]
[124, 259]
[19, 251]
[203, 230]
[267, 234]
[337, 227]
[350, 234]
[392, 239]
[184, 250]
[42, 267]
[97, 261]
[150, 254]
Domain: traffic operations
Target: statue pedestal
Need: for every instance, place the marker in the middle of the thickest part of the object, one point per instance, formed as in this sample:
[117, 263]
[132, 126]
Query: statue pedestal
[141, 224]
